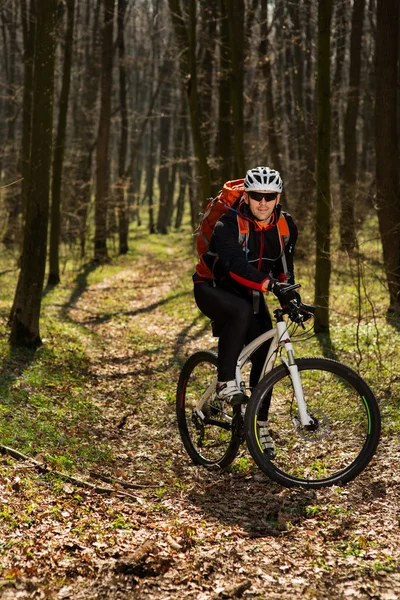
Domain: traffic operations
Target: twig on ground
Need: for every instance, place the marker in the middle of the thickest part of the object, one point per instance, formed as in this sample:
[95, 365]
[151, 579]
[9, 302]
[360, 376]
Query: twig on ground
[236, 591]
[43, 468]
[121, 482]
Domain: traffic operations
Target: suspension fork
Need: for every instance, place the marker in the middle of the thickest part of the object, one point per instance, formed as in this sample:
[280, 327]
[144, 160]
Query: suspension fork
[290, 364]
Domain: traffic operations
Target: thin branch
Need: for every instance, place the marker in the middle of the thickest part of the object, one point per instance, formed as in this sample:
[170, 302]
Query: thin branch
[3, 187]
[121, 482]
[43, 468]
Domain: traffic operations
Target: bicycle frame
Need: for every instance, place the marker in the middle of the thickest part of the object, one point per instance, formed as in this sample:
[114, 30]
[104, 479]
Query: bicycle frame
[279, 337]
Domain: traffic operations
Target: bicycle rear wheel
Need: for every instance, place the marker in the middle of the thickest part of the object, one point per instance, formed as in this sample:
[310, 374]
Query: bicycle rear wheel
[211, 433]
[345, 433]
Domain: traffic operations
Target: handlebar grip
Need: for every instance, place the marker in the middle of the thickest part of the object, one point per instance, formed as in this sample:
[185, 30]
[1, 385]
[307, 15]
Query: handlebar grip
[289, 288]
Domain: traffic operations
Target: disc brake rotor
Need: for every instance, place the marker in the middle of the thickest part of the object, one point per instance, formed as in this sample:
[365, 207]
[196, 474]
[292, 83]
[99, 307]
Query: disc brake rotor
[320, 430]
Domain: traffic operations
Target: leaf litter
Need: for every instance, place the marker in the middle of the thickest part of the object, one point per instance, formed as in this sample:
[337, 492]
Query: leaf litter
[195, 533]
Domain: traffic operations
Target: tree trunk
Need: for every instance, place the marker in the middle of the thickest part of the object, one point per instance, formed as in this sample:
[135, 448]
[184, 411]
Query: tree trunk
[364, 198]
[303, 133]
[9, 166]
[279, 45]
[288, 61]
[55, 223]
[273, 141]
[323, 259]
[309, 102]
[186, 40]
[180, 203]
[85, 127]
[386, 143]
[347, 225]
[102, 164]
[171, 192]
[150, 180]
[27, 302]
[165, 144]
[223, 148]
[298, 75]
[235, 13]
[207, 43]
[176, 154]
[28, 16]
[340, 29]
[194, 202]
[184, 177]
[123, 223]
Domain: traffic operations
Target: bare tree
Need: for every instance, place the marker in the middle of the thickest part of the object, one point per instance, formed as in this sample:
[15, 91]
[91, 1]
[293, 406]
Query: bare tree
[185, 33]
[265, 59]
[235, 13]
[9, 166]
[103, 137]
[123, 223]
[28, 17]
[347, 224]
[58, 160]
[323, 219]
[84, 112]
[386, 143]
[224, 139]
[27, 302]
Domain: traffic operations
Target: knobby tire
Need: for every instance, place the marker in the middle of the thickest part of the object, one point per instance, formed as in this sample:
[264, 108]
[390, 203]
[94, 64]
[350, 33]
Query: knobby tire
[214, 441]
[346, 434]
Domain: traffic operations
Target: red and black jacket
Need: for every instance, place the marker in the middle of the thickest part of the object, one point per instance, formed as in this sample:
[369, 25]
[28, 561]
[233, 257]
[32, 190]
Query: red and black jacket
[248, 265]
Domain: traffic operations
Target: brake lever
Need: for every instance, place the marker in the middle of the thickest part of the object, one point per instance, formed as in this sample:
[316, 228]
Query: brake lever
[296, 312]
[290, 288]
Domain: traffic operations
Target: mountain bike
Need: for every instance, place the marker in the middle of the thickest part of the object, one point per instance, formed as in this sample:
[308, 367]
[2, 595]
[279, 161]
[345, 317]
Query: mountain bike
[322, 416]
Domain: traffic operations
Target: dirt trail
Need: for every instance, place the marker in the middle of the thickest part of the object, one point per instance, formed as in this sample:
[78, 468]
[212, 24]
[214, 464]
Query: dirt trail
[202, 534]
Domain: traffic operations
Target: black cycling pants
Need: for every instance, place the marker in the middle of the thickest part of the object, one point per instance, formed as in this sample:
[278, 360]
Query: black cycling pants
[238, 325]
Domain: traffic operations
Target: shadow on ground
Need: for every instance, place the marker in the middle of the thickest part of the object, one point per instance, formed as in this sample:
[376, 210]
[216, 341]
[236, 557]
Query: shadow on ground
[81, 284]
[327, 347]
[259, 509]
[145, 356]
[15, 363]
[104, 318]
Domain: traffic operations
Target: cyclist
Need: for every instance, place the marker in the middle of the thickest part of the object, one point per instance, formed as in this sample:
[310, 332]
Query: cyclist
[241, 270]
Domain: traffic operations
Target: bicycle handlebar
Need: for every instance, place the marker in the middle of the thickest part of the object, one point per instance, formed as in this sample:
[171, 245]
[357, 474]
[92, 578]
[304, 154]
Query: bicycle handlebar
[299, 313]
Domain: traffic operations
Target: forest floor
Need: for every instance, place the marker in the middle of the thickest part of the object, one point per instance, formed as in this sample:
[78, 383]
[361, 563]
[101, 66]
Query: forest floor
[188, 532]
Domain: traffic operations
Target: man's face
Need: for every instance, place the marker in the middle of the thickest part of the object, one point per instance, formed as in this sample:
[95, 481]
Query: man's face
[262, 210]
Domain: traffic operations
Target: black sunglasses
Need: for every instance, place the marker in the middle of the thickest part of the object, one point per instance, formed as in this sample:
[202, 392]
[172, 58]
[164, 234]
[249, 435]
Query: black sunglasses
[258, 196]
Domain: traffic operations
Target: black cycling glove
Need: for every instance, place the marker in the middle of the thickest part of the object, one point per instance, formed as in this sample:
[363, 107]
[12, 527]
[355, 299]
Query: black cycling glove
[278, 289]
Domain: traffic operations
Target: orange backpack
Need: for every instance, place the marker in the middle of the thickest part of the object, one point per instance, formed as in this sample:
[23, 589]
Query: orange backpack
[218, 206]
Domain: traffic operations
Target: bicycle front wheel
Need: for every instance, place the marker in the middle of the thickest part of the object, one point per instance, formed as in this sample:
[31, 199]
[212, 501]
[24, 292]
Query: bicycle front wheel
[341, 441]
[210, 428]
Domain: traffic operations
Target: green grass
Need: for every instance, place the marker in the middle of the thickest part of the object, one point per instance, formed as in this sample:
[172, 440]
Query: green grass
[45, 408]
[243, 465]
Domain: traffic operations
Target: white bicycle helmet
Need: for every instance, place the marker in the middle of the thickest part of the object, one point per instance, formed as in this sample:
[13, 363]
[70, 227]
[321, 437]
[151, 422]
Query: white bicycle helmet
[263, 179]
